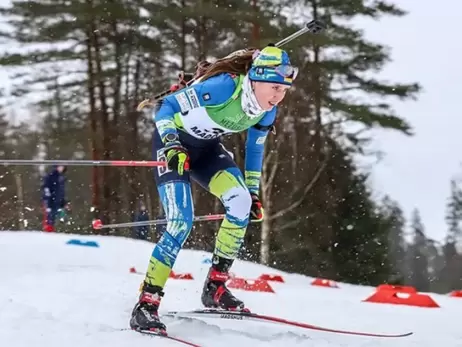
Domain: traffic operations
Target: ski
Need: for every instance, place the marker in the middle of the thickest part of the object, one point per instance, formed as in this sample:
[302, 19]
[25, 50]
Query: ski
[165, 335]
[243, 315]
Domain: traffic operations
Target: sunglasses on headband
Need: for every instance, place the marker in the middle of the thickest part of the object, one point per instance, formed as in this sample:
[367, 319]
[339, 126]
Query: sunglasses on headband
[286, 71]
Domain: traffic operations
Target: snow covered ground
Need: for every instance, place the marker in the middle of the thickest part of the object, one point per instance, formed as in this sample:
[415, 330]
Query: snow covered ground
[53, 295]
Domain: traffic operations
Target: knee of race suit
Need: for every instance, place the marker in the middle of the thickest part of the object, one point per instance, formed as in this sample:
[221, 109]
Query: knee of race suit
[178, 207]
[229, 186]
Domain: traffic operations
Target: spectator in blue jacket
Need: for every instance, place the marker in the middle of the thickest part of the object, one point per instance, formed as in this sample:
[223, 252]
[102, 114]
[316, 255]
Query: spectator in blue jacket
[54, 197]
[141, 232]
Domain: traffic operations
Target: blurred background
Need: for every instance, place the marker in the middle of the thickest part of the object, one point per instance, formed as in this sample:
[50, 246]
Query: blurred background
[361, 179]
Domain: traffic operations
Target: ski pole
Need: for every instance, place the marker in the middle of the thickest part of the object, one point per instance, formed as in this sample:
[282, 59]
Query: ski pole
[97, 224]
[83, 162]
[313, 27]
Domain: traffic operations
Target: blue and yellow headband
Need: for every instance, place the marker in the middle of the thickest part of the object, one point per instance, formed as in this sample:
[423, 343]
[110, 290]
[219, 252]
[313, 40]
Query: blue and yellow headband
[272, 64]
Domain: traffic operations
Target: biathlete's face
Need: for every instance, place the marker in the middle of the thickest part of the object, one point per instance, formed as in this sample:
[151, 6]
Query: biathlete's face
[269, 94]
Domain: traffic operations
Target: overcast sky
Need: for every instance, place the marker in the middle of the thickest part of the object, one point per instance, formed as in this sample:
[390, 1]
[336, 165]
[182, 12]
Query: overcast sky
[426, 48]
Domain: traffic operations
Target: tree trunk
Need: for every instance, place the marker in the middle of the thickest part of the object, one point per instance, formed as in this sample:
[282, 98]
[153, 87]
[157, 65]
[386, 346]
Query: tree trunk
[133, 139]
[184, 33]
[200, 33]
[255, 26]
[116, 107]
[105, 124]
[20, 197]
[266, 190]
[93, 122]
[265, 243]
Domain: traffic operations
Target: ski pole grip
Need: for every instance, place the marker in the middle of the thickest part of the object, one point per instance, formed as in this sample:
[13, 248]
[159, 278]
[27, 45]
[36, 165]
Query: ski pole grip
[315, 26]
[97, 224]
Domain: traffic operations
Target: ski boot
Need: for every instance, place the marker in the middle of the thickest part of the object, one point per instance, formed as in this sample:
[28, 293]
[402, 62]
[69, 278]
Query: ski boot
[144, 315]
[215, 293]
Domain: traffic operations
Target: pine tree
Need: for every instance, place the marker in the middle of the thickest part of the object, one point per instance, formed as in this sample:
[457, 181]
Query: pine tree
[343, 62]
[357, 247]
[361, 231]
[418, 253]
[394, 220]
[24, 140]
[436, 264]
[454, 212]
[451, 273]
[336, 87]
[7, 186]
[100, 57]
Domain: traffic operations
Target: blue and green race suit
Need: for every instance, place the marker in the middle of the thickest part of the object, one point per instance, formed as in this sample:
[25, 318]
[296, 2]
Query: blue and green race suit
[200, 115]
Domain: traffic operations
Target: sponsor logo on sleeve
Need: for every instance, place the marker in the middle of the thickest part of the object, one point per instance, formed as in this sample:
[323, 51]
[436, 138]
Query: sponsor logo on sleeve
[182, 100]
[192, 97]
[261, 140]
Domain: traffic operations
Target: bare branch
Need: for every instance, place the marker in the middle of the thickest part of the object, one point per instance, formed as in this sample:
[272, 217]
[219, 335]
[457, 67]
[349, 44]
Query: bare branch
[287, 225]
[359, 132]
[267, 160]
[271, 177]
[292, 223]
[335, 122]
[307, 189]
[309, 247]
[274, 168]
[344, 89]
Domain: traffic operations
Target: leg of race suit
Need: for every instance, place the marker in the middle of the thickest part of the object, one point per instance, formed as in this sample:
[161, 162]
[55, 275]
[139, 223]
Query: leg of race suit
[175, 194]
[221, 176]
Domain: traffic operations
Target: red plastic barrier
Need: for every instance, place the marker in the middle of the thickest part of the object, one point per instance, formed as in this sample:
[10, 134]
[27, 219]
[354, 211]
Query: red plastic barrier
[257, 285]
[456, 294]
[183, 276]
[396, 288]
[402, 298]
[324, 283]
[271, 277]
[134, 271]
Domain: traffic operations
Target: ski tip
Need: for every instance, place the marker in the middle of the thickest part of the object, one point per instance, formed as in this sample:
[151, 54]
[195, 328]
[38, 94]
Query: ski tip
[236, 310]
[163, 334]
[393, 335]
